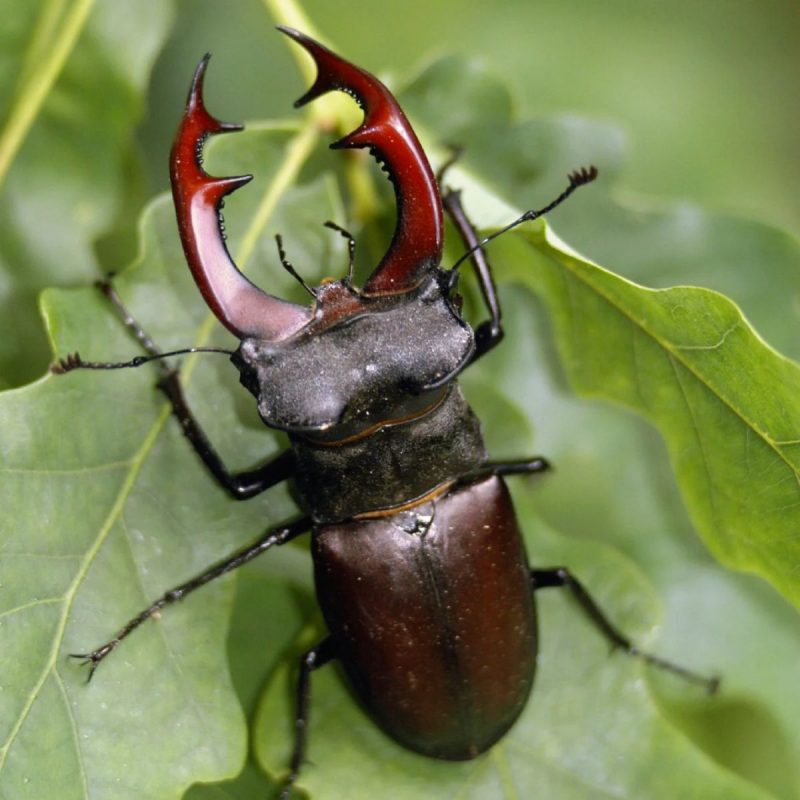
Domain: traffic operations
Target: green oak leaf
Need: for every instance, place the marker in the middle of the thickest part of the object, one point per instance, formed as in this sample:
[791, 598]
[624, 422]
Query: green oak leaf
[724, 401]
[105, 508]
[100, 487]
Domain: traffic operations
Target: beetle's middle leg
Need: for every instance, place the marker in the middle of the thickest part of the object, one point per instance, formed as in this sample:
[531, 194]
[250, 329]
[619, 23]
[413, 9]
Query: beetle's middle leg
[503, 468]
[273, 537]
[561, 576]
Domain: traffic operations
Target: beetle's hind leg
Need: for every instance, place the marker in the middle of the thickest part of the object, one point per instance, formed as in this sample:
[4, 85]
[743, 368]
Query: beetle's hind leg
[315, 658]
[562, 577]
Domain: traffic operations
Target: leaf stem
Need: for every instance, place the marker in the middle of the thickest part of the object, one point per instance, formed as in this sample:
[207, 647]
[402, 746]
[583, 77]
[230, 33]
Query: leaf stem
[333, 111]
[39, 78]
[42, 36]
[289, 12]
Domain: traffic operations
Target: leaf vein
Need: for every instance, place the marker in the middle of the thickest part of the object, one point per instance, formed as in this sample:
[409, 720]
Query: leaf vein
[73, 726]
[699, 439]
[714, 346]
[25, 606]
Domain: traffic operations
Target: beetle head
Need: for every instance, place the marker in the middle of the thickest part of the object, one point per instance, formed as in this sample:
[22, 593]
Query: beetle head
[377, 363]
[357, 355]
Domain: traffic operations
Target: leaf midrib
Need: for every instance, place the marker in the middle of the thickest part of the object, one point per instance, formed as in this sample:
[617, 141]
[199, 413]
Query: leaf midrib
[665, 345]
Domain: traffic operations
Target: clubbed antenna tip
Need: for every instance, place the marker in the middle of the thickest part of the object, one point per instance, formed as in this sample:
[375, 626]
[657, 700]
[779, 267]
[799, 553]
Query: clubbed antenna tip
[582, 176]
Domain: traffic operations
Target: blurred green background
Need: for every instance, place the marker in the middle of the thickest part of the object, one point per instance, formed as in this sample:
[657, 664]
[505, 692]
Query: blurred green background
[706, 91]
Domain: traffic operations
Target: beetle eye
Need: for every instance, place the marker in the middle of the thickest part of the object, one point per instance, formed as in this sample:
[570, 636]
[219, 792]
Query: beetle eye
[248, 376]
[249, 379]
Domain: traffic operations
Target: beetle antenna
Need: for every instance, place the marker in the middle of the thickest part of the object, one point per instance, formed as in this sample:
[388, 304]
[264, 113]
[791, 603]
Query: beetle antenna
[579, 177]
[74, 361]
[289, 268]
[351, 247]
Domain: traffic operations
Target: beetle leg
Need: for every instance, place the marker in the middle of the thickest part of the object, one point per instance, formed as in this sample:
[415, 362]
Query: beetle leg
[502, 468]
[489, 333]
[275, 536]
[561, 576]
[240, 486]
[313, 659]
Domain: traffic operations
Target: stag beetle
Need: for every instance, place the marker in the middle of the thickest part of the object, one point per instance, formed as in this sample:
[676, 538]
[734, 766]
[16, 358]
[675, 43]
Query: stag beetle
[420, 569]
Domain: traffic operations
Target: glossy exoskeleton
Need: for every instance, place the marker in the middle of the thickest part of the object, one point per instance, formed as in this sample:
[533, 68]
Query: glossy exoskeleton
[420, 569]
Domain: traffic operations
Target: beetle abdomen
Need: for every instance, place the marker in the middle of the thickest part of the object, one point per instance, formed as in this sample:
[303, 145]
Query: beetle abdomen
[432, 615]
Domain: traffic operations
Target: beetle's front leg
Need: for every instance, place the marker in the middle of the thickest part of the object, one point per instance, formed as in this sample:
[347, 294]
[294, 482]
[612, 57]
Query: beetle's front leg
[561, 576]
[489, 333]
[240, 486]
[273, 537]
